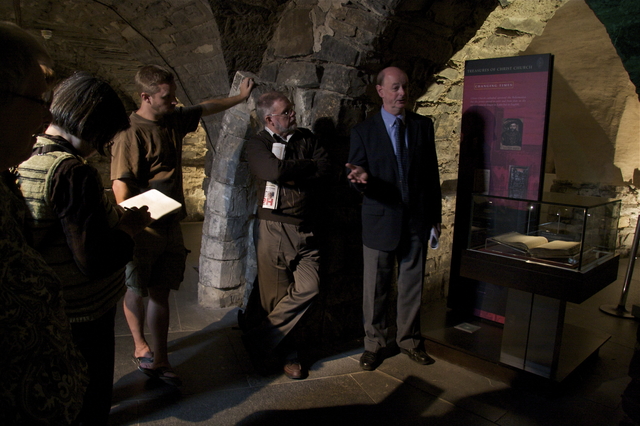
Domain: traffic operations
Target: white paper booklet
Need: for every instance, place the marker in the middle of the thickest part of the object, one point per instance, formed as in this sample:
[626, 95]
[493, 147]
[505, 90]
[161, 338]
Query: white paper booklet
[271, 190]
[158, 203]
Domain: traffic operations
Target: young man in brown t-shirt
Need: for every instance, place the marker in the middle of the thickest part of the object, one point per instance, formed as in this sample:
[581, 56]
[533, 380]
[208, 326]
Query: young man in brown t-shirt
[148, 156]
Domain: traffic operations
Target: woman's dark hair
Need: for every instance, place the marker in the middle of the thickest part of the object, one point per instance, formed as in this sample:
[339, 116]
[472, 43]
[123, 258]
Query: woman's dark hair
[89, 109]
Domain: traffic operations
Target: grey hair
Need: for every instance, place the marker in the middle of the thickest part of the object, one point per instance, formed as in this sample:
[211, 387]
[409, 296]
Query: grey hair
[264, 106]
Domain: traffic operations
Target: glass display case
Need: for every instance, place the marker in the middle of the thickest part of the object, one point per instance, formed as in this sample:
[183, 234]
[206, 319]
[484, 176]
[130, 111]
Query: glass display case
[564, 231]
[562, 247]
[542, 255]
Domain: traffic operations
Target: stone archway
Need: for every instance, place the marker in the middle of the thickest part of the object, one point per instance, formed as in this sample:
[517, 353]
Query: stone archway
[328, 74]
[338, 46]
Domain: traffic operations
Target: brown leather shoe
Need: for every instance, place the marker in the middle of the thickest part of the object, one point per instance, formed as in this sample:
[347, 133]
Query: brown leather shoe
[293, 369]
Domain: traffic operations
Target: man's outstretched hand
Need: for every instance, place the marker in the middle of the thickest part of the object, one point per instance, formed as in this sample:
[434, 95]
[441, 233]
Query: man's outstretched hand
[357, 174]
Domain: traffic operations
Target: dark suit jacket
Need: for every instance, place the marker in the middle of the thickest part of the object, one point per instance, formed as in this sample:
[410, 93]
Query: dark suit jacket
[382, 209]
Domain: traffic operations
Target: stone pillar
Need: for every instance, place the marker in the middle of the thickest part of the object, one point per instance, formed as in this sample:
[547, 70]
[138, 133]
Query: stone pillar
[225, 265]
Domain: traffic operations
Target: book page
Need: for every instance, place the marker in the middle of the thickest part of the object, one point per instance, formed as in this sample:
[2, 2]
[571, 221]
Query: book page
[557, 248]
[525, 242]
[559, 245]
[158, 203]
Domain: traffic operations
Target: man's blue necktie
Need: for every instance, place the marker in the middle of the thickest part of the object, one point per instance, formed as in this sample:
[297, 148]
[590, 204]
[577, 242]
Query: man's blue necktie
[401, 157]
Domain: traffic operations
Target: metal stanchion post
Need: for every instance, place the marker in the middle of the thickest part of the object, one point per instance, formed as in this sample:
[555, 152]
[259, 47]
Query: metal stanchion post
[621, 310]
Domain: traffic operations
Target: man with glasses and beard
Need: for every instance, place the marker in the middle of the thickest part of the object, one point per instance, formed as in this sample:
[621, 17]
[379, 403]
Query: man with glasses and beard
[288, 162]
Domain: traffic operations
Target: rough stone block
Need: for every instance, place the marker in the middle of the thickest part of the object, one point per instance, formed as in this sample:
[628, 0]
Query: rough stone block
[294, 36]
[523, 25]
[269, 72]
[341, 79]
[167, 48]
[224, 165]
[363, 20]
[191, 14]
[338, 51]
[624, 222]
[365, 38]
[379, 8]
[235, 122]
[498, 41]
[212, 248]
[433, 93]
[450, 74]
[210, 297]
[303, 100]
[224, 228]
[298, 74]
[130, 34]
[222, 274]
[455, 94]
[341, 28]
[227, 200]
[207, 85]
[445, 126]
[327, 104]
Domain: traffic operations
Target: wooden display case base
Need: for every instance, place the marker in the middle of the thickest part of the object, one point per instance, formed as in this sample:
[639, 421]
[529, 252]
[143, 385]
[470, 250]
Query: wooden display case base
[538, 278]
[482, 349]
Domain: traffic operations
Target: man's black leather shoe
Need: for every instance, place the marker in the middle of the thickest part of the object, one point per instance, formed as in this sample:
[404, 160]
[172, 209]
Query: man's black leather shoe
[418, 355]
[369, 360]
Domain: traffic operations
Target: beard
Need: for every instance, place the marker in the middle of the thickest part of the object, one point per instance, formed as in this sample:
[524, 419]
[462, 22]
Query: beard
[282, 130]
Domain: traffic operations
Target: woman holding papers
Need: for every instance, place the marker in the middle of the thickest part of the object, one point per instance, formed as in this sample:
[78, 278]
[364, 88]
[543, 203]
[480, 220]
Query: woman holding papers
[81, 235]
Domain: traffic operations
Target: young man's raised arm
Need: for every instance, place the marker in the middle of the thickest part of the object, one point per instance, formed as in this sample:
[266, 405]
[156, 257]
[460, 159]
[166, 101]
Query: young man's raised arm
[213, 106]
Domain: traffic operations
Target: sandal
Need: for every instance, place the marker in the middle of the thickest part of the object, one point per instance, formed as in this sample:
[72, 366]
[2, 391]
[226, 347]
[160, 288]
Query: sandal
[149, 372]
[171, 378]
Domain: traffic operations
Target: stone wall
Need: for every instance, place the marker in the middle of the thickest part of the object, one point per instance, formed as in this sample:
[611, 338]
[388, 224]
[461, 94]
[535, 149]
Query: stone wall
[329, 71]
[627, 194]
[325, 53]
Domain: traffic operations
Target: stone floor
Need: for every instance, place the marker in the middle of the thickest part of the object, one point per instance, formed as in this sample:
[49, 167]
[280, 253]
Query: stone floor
[221, 388]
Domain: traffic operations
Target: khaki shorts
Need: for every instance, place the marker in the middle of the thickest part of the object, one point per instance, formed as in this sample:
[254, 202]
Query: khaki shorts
[158, 261]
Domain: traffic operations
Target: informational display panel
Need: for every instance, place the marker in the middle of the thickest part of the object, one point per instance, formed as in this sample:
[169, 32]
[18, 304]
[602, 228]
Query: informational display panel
[510, 96]
[502, 152]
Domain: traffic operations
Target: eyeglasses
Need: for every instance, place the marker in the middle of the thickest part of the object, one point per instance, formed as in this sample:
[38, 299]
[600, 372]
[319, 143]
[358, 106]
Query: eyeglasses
[286, 113]
[39, 101]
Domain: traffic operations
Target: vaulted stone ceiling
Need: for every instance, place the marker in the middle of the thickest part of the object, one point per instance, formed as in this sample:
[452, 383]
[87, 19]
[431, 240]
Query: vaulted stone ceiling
[112, 38]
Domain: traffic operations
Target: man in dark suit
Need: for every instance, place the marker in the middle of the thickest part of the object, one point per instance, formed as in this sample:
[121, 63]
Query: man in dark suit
[392, 160]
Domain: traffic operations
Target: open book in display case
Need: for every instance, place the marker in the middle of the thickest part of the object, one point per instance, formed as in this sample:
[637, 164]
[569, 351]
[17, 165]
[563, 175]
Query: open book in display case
[576, 233]
[537, 334]
[563, 247]
[545, 254]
